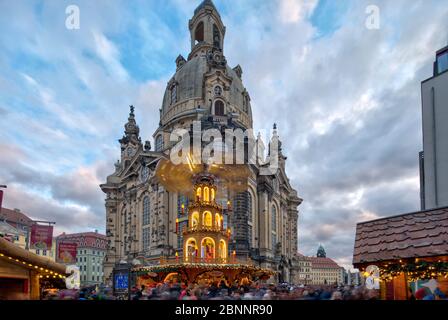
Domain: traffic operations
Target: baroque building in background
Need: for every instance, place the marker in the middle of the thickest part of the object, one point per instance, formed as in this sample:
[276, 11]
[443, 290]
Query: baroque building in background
[142, 216]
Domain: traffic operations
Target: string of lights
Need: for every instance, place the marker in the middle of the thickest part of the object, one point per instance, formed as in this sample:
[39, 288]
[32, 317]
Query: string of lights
[418, 270]
[43, 272]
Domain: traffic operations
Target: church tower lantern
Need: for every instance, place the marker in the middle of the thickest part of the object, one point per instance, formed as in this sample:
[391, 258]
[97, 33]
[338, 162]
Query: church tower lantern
[206, 28]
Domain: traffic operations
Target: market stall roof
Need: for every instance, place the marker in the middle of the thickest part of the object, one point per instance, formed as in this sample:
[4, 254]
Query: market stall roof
[412, 235]
[15, 253]
[176, 267]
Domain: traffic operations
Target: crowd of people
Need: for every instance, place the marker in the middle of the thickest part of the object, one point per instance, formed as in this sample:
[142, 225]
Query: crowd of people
[244, 291]
[87, 293]
[251, 291]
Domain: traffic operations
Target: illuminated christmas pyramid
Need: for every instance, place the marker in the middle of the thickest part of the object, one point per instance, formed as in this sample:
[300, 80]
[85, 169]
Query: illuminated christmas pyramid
[205, 239]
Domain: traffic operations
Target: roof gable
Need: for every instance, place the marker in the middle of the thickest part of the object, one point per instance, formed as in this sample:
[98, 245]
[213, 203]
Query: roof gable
[15, 216]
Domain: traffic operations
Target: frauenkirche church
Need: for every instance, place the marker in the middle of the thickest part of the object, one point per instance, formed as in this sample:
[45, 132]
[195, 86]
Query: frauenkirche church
[146, 217]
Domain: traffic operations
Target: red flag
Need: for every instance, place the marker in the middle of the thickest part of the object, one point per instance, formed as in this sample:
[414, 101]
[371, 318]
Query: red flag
[41, 237]
[67, 252]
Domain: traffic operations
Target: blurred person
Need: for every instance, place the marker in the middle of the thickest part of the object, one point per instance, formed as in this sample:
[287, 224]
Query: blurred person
[336, 295]
[439, 295]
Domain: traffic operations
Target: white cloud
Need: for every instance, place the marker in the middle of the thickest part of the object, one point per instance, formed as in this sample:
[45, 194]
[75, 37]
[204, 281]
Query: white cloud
[107, 51]
[73, 120]
[292, 11]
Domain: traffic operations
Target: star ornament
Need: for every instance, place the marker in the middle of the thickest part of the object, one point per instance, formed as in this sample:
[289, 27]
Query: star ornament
[431, 284]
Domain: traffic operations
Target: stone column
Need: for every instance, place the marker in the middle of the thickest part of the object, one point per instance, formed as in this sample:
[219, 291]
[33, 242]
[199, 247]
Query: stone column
[163, 226]
[293, 202]
[264, 196]
[133, 234]
[239, 219]
[294, 227]
[112, 234]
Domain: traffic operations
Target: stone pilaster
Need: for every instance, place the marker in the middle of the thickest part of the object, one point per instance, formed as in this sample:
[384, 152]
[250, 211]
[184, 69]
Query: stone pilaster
[239, 220]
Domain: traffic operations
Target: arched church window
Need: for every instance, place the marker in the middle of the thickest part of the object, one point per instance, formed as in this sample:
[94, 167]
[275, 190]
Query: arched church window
[219, 108]
[173, 94]
[199, 33]
[216, 37]
[159, 143]
[146, 211]
[245, 103]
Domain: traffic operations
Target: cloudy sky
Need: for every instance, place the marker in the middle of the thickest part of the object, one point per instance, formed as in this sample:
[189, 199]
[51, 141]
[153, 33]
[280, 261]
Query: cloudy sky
[346, 99]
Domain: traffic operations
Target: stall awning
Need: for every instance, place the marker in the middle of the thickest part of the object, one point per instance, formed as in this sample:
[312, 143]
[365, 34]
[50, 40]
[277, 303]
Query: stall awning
[16, 254]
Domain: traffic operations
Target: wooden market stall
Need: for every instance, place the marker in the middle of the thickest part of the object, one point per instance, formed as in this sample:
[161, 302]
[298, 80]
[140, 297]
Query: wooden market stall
[22, 273]
[411, 251]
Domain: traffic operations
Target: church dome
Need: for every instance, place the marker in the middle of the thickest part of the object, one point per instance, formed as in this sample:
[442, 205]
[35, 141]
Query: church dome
[188, 80]
[188, 85]
[204, 83]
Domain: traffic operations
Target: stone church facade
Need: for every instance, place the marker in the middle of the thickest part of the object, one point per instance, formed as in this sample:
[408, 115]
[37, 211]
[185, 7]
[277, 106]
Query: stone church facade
[142, 216]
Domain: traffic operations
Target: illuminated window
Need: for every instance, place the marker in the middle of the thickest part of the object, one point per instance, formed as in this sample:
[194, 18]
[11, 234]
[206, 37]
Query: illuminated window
[191, 249]
[218, 220]
[222, 249]
[194, 219]
[207, 219]
[198, 193]
[208, 248]
[213, 194]
[206, 194]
